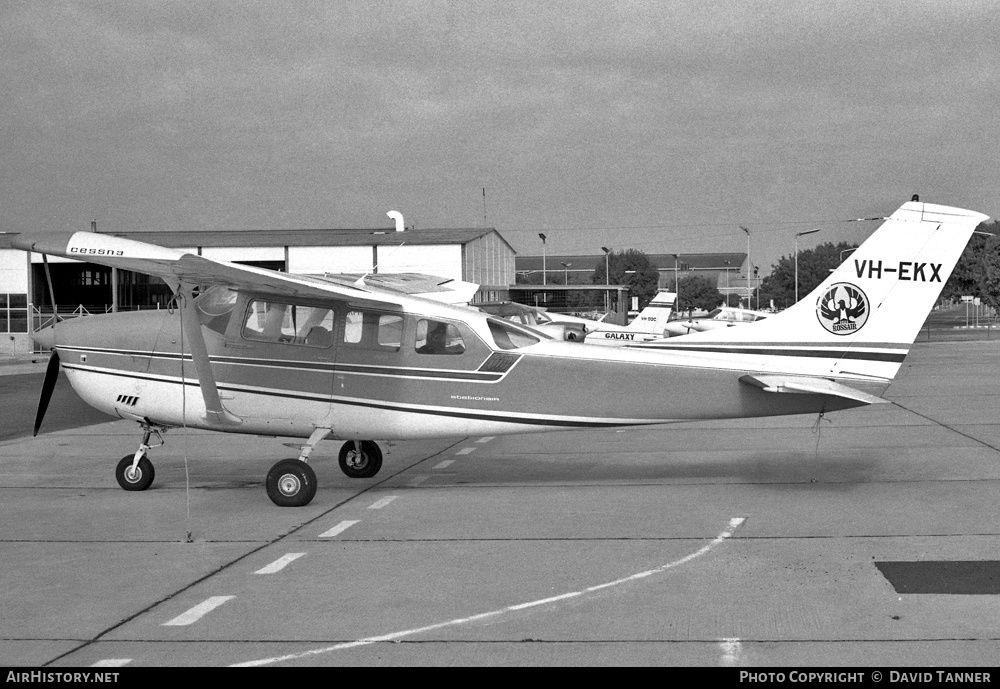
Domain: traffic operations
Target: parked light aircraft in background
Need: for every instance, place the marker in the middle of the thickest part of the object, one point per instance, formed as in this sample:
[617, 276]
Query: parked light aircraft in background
[554, 325]
[648, 325]
[722, 317]
[248, 350]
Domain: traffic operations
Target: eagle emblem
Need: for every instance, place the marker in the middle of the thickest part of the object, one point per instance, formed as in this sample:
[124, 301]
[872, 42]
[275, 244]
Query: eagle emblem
[843, 309]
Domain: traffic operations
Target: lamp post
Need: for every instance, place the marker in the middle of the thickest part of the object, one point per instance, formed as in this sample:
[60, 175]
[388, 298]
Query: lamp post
[797, 235]
[677, 288]
[748, 264]
[607, 276]
[543, 256]
[566, 269]
[727, 283]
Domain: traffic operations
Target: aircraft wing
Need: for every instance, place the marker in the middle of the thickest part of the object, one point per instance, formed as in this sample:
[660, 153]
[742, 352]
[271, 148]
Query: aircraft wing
[809, 385]
[447, 290]
[179, 267]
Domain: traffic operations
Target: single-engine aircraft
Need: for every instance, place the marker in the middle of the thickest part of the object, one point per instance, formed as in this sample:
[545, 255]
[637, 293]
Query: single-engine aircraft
[722, 317]
[648, 325]
[248, 350]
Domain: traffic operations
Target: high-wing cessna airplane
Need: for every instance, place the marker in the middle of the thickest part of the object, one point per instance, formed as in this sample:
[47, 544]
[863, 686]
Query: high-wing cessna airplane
[247, 350]
[722, 317]
[650, 324]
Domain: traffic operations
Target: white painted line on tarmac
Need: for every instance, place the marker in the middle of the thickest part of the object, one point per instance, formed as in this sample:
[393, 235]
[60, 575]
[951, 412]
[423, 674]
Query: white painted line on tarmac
[734, 524]
[444, 465]
[466, 451]
[342, 526]
[486, 439]
[197, 612]
[417, 480]
[280, 563]
[732, 649]
[379, 504]
[112, 662]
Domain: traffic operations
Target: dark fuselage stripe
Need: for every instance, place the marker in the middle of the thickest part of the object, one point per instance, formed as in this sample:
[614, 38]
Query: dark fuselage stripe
[454, 413]
[896, 357]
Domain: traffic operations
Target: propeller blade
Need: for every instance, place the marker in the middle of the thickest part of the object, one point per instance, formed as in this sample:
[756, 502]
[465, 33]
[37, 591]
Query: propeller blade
[51, 374]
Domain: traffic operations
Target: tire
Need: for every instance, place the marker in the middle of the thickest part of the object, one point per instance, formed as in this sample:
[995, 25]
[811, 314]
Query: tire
[141, 479]
[365, 466]
[291, 483]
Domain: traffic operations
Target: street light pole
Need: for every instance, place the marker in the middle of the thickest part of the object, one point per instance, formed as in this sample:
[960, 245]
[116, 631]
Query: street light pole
[566, 269]
[543, 256]
[607, 276]
[749, 293]
[797, 235]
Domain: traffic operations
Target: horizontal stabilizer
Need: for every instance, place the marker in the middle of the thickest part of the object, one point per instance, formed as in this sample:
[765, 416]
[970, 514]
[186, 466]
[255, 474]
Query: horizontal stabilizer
[809, 385]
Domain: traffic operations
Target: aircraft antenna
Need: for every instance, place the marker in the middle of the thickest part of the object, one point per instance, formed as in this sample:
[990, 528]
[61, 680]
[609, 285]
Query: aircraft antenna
[485, 223]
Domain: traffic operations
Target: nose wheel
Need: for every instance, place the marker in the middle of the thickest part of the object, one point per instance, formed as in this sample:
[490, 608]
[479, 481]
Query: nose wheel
[137, 477]
[360, 458]
[135, 471]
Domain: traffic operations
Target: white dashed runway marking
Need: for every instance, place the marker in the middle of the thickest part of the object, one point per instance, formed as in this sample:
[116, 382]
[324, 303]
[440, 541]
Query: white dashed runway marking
[279, 564]
[379, 504]
[197, 612]
[466, 451]
[342, 526]
[445, 464]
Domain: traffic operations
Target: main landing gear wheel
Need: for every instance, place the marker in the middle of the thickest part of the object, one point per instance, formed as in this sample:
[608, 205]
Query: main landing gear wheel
[363, 464]
[291, 483]
[139, 479]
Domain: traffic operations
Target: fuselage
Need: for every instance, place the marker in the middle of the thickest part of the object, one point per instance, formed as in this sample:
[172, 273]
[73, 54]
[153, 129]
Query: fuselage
[284, 367]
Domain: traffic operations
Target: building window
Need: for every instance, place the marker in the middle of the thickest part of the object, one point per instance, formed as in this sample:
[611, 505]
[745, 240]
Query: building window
[13, 313]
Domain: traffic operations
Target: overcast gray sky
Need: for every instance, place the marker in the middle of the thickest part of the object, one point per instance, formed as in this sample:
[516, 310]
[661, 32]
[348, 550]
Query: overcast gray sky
[660, 126]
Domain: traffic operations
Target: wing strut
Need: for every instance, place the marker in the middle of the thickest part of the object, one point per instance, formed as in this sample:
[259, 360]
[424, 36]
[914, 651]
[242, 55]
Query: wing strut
[215, 413]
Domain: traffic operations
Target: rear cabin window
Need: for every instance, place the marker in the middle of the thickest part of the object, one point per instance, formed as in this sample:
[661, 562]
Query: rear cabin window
[438, 337]
[373, 329]
[268, 321]
[508, 336]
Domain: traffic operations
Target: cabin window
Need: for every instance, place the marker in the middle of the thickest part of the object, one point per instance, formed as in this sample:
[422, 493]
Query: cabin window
[437, 337]
[268, 321]
[508, 336]
[374, 330]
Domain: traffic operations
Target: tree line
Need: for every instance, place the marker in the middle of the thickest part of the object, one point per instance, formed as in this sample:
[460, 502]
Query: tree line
[976, 274]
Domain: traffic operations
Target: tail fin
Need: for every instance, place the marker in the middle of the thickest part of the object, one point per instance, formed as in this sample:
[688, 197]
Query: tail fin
[861, 321]
[653, 318]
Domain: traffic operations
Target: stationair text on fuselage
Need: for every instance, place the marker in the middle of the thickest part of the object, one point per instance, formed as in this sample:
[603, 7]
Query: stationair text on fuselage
[904, 270]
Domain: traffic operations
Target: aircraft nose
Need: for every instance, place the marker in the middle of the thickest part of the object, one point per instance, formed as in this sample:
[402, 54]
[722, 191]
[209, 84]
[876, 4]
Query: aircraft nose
[44, 337]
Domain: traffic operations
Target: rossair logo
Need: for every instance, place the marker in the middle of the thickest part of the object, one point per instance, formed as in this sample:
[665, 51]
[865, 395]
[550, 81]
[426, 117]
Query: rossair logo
[904, 270]
[843, 309]
[619, 336]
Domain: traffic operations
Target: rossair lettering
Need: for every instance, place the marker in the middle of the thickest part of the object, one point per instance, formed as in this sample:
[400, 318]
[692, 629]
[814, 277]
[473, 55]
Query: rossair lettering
[904, 270]
[619, 336]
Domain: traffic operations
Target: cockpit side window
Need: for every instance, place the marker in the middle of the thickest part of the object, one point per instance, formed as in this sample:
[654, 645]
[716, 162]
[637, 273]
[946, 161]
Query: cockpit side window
[508, 336]
[268, 321]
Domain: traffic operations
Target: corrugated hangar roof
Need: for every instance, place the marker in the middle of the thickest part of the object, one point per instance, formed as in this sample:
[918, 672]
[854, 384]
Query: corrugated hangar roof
[329, 237]
[332, 237]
